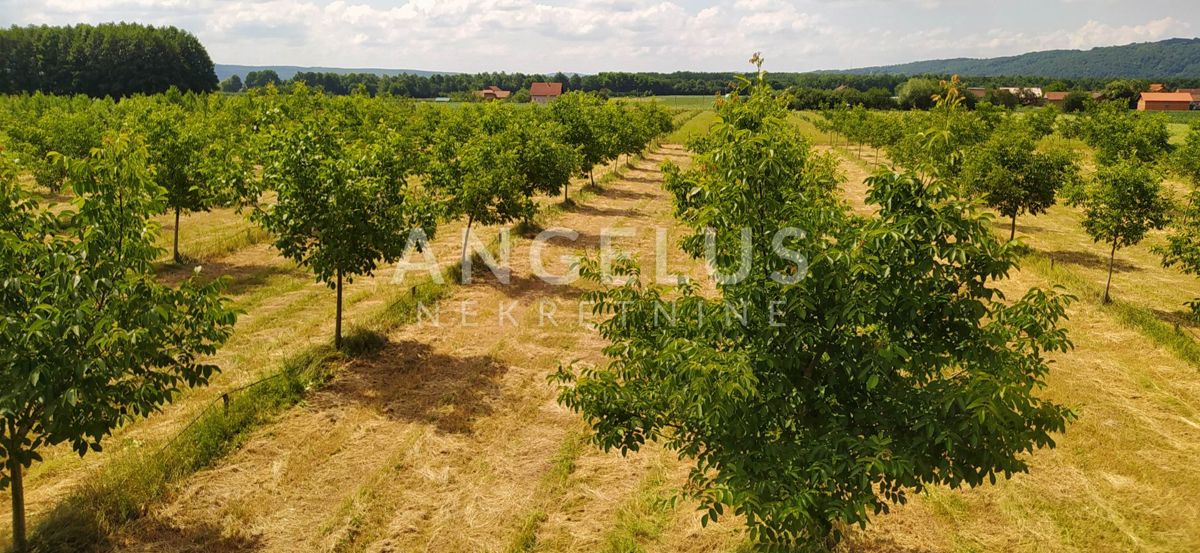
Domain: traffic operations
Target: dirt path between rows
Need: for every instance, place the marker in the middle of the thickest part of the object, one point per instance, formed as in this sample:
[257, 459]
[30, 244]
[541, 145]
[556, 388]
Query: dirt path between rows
[437, 442]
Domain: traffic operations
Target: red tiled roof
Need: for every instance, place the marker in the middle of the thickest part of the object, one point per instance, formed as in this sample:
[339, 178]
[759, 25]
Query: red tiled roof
[493, 91]
[1057, 96]
[1166, 97]
[545, 89]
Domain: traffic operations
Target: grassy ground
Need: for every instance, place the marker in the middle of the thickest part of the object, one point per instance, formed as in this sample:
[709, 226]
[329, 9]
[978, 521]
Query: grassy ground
[1120, 479]
[1183, 117]
[1178, 132]
[686, 102]
[452, 429]
[209, 235]
[695, 126]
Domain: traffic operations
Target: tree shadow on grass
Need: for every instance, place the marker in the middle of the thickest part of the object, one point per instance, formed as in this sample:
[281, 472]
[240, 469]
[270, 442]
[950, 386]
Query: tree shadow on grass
[1092, 261]
[863, 543]
[618, 193]
[411, 381]
[605, 211]
[241, 276]
[71, 526]
[154, 534]
[531, 288]
[1002, 224]
[642, 180]
[1181, 318]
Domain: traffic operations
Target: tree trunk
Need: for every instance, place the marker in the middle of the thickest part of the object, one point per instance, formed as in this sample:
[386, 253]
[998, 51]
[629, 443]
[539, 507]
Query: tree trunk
[20, 543]
[1111, 256]
[565, 197]
[178, 258]
[1012, 233]
[592, 177]
[466, 235]
[337, 325]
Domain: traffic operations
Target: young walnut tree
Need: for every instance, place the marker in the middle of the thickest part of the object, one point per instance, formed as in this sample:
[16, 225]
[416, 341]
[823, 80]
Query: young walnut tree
[1013, 177]
[89, 338]
[342, 208]
[870, 357]
[1182, 248]
[1123, 203]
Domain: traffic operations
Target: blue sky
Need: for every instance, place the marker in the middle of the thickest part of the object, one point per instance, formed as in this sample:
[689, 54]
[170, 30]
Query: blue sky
[635, 35]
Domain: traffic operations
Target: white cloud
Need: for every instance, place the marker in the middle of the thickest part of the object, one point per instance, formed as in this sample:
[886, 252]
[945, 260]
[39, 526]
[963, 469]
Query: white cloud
[593, 35]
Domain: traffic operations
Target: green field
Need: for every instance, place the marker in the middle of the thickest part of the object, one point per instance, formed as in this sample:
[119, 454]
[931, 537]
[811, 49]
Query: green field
[687, 102]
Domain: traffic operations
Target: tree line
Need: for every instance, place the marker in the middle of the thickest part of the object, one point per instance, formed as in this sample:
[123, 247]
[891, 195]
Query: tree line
[110, 59]
[808, 91]
[90, 337]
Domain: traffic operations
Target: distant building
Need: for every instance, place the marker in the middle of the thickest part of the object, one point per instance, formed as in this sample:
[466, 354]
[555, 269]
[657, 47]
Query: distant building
[492, 92]
[1165, 101]
[1028, 95]
[1057, 98]
[1158, 87]
[441, 99]
[1195, 92]
[541, 93]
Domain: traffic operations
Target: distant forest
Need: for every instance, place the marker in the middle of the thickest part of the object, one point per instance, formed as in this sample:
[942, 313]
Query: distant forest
[112, 59]
[1166, 59]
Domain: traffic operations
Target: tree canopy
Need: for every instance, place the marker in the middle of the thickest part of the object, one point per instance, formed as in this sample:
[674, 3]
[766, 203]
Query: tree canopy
[852, 360]
[110, 59]
[1123, 202]
[342, 207]
[1013, 177]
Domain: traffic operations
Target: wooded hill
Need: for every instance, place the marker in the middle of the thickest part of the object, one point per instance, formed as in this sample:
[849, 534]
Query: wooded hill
[1177, 57]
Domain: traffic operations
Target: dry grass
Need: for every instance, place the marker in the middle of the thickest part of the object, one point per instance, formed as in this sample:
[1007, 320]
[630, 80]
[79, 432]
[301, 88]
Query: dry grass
[453, 432]
[1122, 477]
[285, 312]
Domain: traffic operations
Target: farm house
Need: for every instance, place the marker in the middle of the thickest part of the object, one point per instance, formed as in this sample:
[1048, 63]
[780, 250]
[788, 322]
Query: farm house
[542, 93]
[1165, 101]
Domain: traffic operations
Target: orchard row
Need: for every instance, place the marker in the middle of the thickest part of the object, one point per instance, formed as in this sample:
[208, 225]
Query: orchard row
[1007, 161]
[897, 363]
[91, 338]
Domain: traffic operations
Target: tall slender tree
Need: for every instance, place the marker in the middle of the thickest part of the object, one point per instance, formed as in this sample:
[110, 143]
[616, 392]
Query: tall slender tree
[1122, 204]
